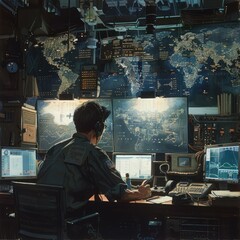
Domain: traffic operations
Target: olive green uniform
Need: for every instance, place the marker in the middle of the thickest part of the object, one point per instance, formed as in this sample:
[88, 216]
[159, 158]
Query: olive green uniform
[83, 169]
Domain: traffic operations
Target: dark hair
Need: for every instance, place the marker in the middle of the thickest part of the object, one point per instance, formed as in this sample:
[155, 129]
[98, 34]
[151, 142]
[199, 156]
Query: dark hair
[90, 116]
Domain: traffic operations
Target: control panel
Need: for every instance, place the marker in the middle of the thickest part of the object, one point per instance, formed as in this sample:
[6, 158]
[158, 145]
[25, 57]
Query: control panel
[206, 130]
[192, 228]
[89, 81]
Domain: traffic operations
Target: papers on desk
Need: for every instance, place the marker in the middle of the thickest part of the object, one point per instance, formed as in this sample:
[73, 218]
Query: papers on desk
[225, 193]
[224, 197]
[159, 199]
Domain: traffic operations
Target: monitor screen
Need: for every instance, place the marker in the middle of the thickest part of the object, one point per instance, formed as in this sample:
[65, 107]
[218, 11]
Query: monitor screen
[182, 162]
[55, 123]
[158, 125]
[138, 166]
[18, 163]
[222, 163]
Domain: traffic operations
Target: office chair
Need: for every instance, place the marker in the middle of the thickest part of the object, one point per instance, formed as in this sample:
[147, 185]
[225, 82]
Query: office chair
[40, 210]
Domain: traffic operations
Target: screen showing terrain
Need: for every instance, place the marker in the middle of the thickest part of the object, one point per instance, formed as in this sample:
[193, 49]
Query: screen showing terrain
[150, 125]
[134, 125]
[55, 123]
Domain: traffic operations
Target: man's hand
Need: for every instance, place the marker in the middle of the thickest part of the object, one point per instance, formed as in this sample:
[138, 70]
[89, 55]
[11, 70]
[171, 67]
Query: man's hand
[144, 190]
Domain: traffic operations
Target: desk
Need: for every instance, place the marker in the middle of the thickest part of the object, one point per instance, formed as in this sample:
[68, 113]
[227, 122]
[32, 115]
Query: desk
[167, 221]
[146, 220]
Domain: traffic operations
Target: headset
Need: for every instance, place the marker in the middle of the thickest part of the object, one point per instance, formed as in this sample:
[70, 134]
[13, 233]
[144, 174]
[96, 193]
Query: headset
[99, 125]
[98, 128]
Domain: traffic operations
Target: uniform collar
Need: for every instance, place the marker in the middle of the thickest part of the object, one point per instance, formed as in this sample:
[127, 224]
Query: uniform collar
[79, 135]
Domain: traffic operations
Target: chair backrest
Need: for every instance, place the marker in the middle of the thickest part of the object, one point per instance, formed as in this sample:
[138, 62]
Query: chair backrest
[39, 210]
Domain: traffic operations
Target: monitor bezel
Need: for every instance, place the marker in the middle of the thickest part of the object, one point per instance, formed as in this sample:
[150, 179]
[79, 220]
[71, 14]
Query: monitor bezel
[10, 178]
[153, 158]
[217, 180]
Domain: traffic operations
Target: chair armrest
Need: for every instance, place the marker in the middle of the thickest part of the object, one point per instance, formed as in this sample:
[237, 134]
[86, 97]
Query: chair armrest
[82, 219]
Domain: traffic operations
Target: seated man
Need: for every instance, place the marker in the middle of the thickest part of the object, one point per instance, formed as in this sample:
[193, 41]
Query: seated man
[83, 168]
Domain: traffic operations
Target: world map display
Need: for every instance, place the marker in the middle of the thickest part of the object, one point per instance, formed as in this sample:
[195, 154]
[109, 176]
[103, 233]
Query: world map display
[150, 125]
[135, 125]
[200, 63]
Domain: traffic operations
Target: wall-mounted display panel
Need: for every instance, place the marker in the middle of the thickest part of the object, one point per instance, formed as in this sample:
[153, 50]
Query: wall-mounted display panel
[150, 125]
[55, 122]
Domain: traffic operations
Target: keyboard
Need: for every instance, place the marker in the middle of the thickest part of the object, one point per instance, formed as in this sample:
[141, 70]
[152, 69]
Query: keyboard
[195, 190]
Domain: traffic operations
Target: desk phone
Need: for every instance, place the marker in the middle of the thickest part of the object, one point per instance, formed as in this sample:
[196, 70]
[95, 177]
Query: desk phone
[195, 190]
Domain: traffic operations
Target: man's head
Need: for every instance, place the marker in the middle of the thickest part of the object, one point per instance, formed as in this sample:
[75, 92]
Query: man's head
[90, 116]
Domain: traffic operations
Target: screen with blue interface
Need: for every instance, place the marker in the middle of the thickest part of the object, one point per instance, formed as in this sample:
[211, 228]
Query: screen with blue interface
[55, 122]
[222, 163]
[18, 163]
[138, 166]
[157, 125]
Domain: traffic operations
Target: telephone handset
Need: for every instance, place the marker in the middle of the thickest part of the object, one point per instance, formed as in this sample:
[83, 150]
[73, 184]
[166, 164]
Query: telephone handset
[170, 184]
[163, 190]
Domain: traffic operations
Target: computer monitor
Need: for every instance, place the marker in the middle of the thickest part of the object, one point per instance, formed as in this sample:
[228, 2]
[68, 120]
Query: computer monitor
[55, 123]
[137, 165]
[222, 163]
[18, 163]
[182, 162]
[157, 125]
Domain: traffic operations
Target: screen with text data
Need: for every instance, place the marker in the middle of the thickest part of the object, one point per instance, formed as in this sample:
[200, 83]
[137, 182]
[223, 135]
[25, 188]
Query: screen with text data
[18, 163]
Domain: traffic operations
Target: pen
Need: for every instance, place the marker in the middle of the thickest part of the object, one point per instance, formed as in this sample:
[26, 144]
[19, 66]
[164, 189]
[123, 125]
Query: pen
[151, 198]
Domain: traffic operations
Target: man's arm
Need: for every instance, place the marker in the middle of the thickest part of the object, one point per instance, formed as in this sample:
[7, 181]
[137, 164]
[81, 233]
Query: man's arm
[142, 192]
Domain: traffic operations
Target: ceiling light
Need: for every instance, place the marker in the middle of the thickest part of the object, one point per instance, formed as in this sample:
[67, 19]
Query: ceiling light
[90, 17]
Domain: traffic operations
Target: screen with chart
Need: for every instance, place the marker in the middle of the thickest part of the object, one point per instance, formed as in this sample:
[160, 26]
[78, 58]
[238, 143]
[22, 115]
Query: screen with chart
[18, 163]
[222, 163]
[157, 125]
[138, 166]
[55, 123]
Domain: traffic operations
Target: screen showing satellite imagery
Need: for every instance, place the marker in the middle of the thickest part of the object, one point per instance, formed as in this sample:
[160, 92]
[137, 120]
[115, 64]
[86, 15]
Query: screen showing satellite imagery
[135, 125]
[55, 123]
[150, 125]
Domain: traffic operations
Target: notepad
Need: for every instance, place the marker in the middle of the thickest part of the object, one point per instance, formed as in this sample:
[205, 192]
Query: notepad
[160, 199]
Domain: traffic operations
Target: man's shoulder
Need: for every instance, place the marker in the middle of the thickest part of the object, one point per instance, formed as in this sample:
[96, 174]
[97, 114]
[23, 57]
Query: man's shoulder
[60, 145]
[97, 150]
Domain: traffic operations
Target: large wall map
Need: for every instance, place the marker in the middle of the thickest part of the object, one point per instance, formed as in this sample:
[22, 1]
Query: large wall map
[200, 62]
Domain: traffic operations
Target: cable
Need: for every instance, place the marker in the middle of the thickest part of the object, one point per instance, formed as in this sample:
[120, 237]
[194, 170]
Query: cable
[164, 164]
[166, 170]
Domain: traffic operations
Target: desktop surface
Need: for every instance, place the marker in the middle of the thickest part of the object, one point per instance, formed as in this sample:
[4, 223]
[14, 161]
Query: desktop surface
[135, 217]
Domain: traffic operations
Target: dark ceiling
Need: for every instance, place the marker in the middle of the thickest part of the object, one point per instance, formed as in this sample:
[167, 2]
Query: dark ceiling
[52, 17]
